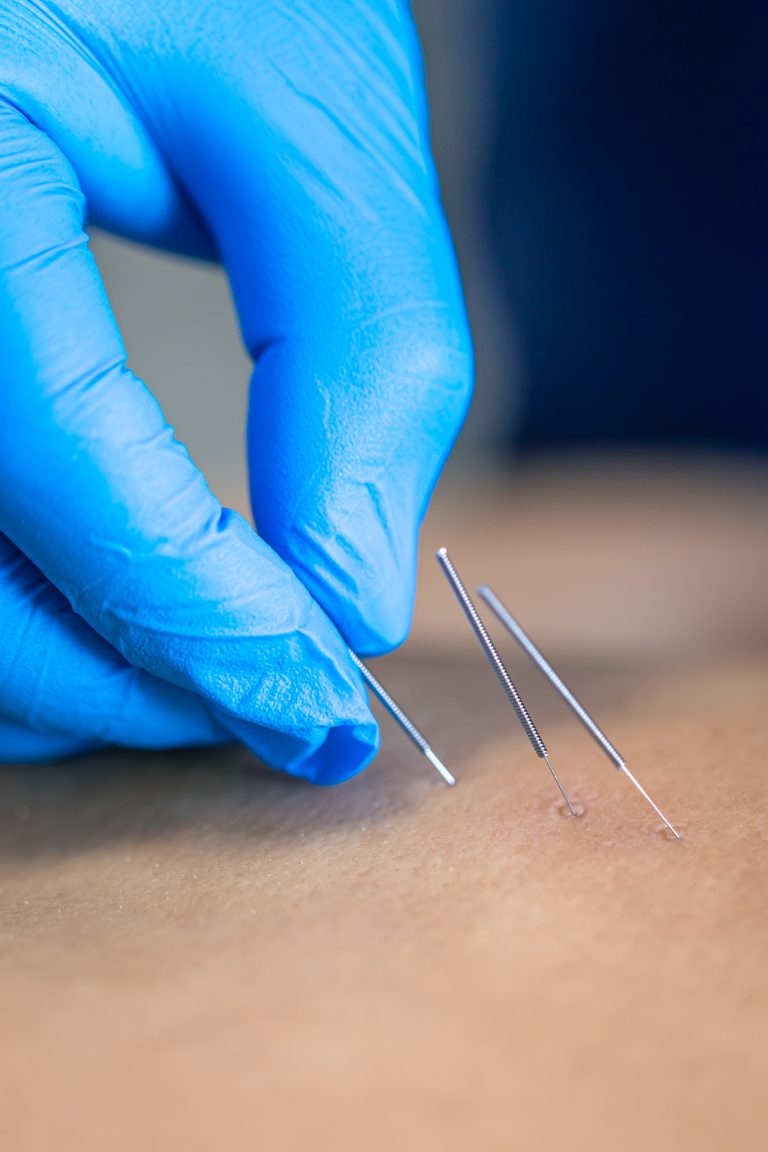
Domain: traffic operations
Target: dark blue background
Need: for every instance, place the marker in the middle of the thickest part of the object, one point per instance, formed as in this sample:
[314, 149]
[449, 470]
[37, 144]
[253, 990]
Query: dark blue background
[627, 199]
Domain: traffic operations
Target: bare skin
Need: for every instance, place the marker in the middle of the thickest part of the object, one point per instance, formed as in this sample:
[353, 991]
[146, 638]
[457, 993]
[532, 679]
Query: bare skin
[197, 954]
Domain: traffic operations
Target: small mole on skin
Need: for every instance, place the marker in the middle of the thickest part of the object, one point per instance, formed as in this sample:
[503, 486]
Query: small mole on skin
[667, 833]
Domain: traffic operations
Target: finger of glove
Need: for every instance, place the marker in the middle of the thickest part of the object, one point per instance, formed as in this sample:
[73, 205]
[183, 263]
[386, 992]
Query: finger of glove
[313, 174]
[96, 491]
[22, 745]
[58, 676]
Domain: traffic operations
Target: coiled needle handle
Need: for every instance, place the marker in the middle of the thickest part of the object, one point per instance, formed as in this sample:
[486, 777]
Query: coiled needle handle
[528, 646]
[497, 664]
[404, 721]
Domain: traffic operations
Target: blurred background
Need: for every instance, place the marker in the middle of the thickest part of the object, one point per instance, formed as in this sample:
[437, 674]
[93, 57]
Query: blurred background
[604, 172]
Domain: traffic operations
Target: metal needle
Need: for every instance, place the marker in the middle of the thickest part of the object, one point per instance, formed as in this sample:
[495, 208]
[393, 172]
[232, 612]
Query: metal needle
[497, 664]
[405, 723]
[538, 658]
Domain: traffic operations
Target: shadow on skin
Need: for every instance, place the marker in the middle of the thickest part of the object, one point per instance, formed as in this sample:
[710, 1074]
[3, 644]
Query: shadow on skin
[130, 797]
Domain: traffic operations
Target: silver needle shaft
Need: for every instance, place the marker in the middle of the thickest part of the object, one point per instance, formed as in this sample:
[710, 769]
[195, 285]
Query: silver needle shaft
[655, 807]
[405, 723]
[538, 658]
[497, 664]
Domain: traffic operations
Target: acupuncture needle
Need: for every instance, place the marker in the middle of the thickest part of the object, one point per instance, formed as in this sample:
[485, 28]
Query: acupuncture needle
[522, 713]
[405, 723]
[596, 732]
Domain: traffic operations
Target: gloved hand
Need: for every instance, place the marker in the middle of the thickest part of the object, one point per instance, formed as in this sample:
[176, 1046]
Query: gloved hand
[290, 142]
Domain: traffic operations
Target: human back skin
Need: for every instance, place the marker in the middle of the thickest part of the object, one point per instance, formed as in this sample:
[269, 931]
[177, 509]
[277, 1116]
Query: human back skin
[406, 959]
[290, 143]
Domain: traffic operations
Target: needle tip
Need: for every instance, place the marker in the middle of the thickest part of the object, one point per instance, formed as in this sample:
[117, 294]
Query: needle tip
[556, 778]
[655, 807]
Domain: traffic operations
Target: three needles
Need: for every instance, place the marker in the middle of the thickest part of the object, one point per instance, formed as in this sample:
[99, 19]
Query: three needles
[505, 680]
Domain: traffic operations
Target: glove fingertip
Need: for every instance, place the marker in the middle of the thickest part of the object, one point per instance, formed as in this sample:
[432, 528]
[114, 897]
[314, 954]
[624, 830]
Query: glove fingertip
[375, 626]
[370, 604]
[345, 753]
[22, 745]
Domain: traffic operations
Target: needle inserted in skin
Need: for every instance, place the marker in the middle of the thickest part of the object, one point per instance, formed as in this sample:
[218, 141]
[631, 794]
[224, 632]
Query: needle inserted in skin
[655, 807]
[497, 664]
[405, 723]
[556, 779]
[538, 658]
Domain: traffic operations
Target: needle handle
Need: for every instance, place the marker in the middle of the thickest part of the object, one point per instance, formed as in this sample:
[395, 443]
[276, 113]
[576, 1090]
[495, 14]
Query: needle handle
[489, 648]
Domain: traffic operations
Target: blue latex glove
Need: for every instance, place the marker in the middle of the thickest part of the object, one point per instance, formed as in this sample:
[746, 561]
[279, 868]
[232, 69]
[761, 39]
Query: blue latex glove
[290, 142]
